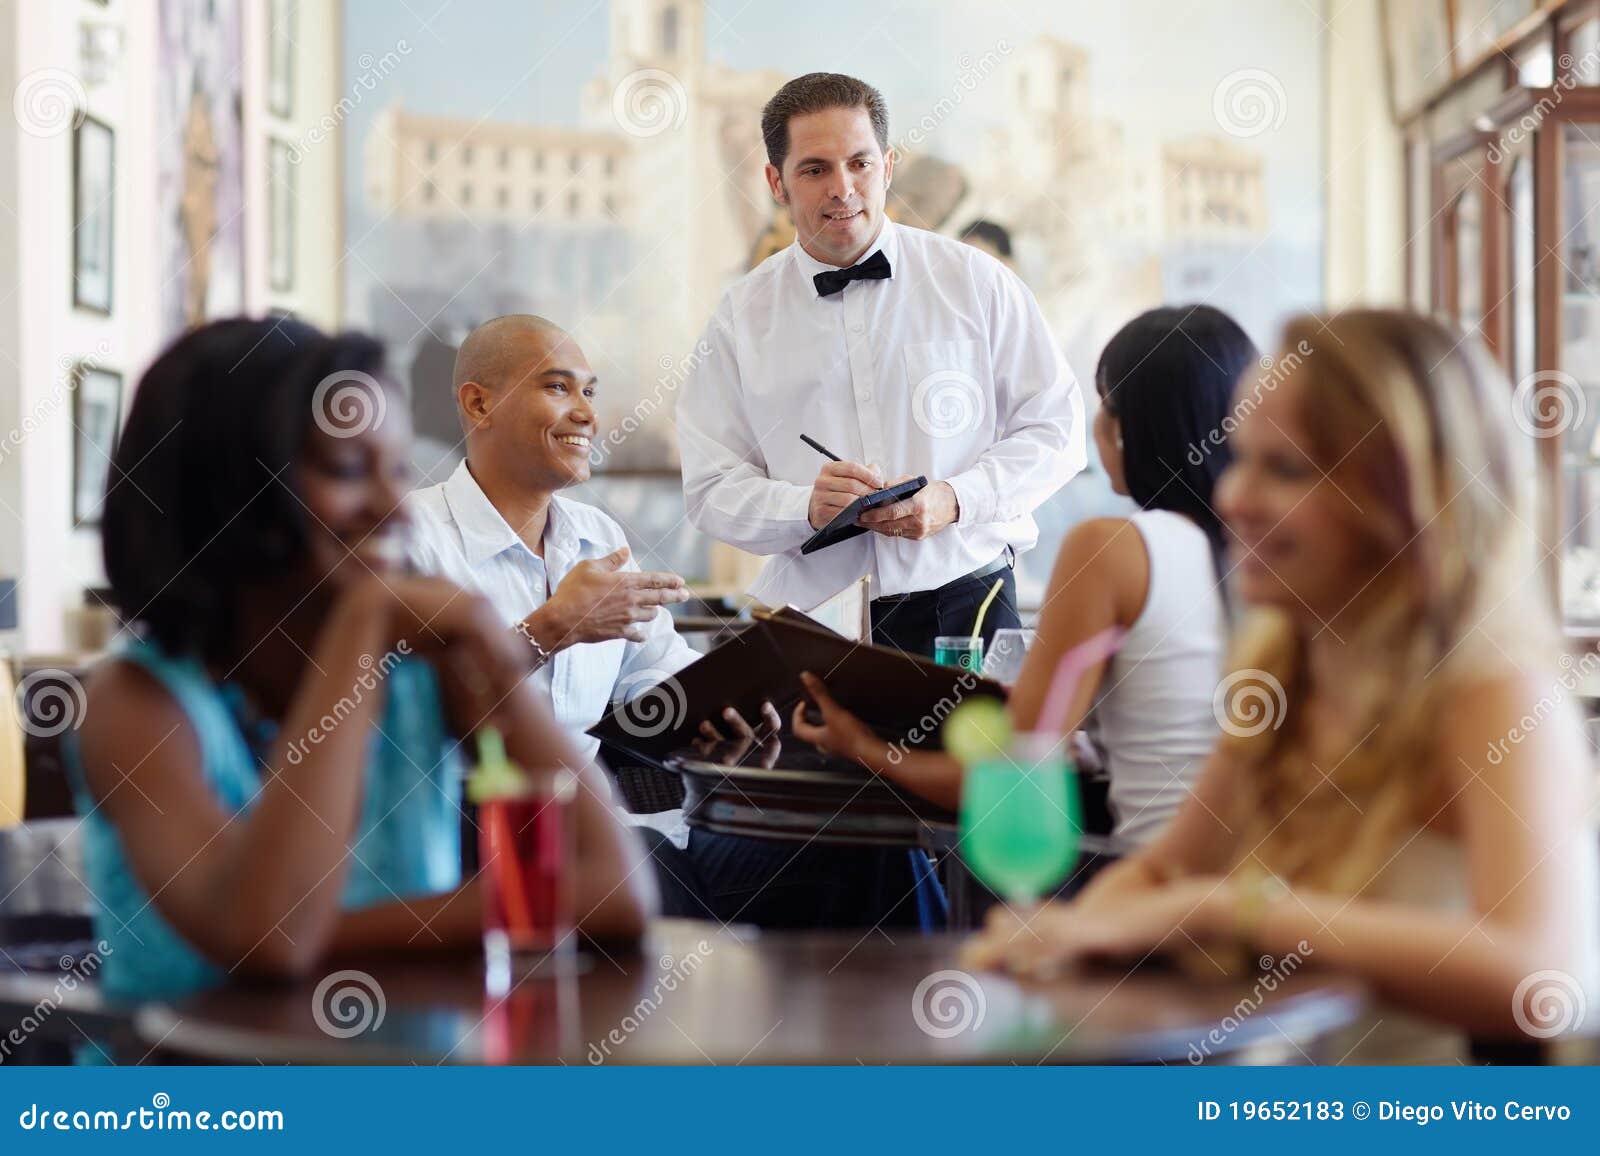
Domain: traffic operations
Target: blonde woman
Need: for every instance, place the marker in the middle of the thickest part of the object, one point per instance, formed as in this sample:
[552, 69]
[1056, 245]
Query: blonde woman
[1379, 803]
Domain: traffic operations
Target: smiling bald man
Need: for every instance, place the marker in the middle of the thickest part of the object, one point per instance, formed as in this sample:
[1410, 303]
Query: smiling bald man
[560, 572]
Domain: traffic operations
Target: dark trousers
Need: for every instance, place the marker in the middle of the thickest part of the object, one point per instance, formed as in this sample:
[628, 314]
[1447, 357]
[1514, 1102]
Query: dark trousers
[788, 885]
[912, 623]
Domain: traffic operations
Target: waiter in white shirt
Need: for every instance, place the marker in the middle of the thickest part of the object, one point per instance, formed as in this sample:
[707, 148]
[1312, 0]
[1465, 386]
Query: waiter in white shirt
[903, 352]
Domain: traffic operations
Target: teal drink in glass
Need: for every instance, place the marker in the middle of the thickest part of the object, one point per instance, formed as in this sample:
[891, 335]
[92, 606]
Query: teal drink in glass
[1021, 818]
[959, 650]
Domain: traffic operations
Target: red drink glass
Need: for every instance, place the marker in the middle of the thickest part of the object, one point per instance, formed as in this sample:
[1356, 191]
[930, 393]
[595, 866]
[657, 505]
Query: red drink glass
[525, 856]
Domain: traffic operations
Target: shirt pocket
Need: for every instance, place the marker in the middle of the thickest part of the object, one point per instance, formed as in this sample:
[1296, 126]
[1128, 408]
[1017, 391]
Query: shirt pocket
[949, 390]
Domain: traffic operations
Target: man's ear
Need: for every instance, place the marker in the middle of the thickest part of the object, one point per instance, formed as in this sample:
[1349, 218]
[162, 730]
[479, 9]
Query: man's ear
[775, 183]
[474, 403]
[888, 167]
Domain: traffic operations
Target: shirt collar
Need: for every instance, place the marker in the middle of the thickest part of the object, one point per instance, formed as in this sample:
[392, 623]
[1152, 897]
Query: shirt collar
[484, 531]
[809, 266]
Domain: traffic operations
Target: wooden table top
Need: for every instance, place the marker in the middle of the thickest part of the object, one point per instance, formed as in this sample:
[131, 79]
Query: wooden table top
[699, 994]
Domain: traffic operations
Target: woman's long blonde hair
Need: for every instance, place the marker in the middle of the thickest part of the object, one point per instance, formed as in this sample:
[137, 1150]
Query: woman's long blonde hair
[1413, 424]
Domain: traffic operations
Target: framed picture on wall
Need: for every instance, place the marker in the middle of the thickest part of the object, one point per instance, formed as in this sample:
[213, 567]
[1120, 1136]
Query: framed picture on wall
[96, 417]
[280, 57]
[280, 216]
[93, 214]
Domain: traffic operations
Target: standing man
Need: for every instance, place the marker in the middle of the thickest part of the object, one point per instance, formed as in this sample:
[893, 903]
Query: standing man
[903, 352]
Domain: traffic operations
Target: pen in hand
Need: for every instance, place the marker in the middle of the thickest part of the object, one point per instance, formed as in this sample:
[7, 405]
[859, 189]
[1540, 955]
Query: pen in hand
[820, 448]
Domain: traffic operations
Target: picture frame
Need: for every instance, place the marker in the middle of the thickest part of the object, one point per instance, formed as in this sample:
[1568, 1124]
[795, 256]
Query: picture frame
[281, 17]
[93, 215]
[96, 421]
[281, 222]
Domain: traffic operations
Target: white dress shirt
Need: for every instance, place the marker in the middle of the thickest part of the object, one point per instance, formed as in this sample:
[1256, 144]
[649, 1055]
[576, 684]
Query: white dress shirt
[459, 535]
[945, 369]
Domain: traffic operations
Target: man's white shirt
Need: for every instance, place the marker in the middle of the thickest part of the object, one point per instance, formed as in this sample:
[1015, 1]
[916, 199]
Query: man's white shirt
[946, 369]
[459, 535]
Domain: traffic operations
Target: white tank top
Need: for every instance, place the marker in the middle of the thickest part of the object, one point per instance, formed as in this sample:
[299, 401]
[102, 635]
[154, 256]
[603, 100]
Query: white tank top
[1152, 713]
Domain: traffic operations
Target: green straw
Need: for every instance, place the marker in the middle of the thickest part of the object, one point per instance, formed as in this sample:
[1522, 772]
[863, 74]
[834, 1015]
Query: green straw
[491, 747]
[977, 623]
[496, 776]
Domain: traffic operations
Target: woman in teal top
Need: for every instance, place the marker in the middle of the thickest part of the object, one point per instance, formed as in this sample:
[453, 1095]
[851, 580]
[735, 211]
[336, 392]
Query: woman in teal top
[268, 768]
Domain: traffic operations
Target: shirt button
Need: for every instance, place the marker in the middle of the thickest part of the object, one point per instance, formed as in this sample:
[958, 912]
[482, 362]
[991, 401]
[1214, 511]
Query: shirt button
[865, 395]
[857, 327]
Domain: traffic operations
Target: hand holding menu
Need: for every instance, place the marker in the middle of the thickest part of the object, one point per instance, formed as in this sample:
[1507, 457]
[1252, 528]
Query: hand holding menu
[899, 696]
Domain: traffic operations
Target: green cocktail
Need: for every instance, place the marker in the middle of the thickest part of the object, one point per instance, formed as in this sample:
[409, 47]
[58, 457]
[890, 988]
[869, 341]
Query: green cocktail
[964, 651]
[1021, 818]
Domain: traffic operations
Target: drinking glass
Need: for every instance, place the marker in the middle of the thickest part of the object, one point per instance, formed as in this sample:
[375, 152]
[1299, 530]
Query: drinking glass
[1021, 818]
[960, 650]
[525, 853]
[1007, 653]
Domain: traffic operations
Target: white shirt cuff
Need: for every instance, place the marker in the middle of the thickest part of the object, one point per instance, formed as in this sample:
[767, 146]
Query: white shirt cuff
[973, 499]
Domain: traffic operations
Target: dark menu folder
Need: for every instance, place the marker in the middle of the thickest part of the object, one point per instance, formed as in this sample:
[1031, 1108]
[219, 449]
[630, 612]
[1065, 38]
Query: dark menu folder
[843, 526]
[896, 694]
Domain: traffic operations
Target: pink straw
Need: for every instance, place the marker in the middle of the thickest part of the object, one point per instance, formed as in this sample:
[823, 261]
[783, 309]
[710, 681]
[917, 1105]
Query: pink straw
[1053, 717]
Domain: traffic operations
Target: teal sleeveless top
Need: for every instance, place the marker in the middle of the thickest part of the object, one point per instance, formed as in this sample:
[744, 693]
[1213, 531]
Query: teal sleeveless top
[407, 843]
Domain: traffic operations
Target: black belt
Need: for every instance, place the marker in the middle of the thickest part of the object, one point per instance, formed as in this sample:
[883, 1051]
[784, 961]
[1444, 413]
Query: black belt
[1001, 563]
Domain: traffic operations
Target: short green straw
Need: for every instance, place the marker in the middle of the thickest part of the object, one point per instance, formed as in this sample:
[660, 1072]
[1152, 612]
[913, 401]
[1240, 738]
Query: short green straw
[977, 623]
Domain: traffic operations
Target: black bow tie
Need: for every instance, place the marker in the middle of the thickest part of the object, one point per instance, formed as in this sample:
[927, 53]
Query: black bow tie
[831, 281]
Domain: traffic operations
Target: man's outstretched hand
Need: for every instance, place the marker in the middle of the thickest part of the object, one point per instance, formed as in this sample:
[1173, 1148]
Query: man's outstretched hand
[598, 601]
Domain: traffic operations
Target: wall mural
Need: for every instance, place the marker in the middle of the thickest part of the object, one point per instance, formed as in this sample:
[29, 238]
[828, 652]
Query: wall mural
[605, 170]
[200, 162]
